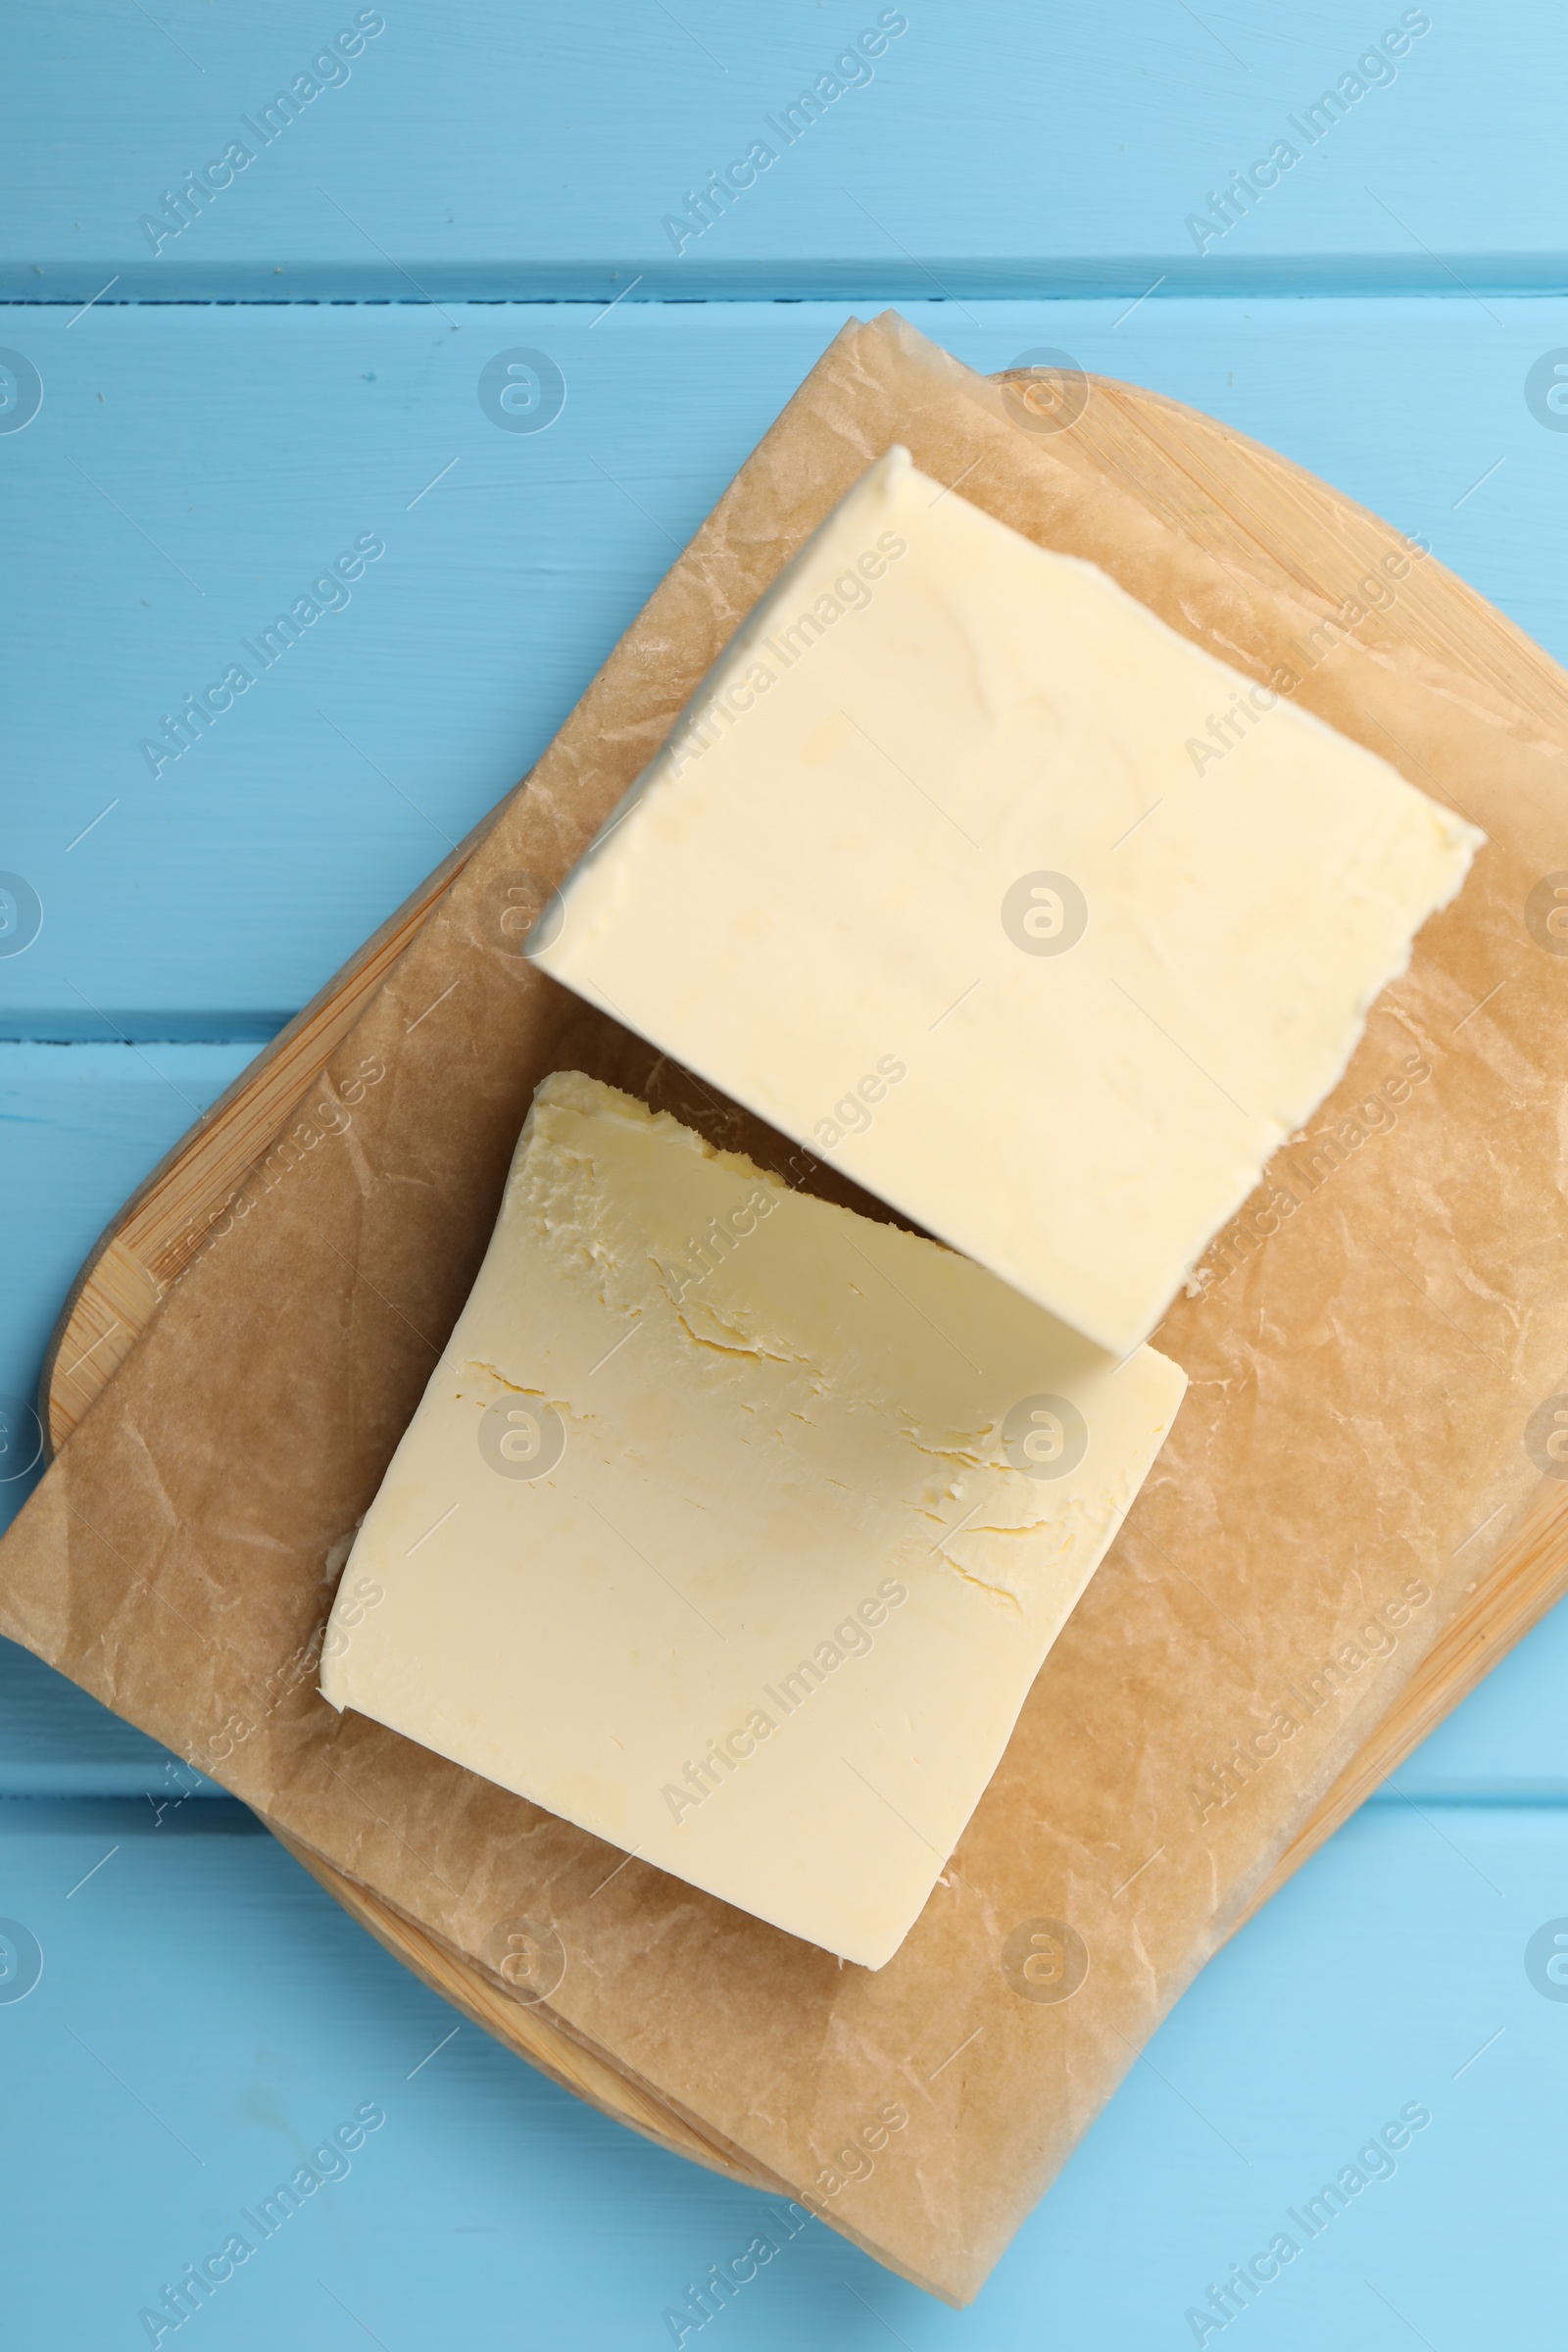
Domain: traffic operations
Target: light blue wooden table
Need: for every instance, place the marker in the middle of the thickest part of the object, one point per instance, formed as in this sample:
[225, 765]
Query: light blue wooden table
[217, 375]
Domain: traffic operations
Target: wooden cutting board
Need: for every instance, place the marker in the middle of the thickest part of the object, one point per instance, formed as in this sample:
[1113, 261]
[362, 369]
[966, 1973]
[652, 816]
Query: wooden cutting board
[1243, 505]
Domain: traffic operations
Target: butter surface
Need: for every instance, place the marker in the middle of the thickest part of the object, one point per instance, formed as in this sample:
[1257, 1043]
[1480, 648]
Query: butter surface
[953, 801]
[734, 1527]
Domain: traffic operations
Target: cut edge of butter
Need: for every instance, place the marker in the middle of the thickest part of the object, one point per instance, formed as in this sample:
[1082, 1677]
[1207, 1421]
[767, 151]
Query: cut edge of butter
[768, 1617]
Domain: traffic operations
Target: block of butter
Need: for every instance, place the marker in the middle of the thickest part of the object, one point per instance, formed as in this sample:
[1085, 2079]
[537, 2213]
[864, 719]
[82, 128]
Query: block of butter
[733, 1526]
[956, 807]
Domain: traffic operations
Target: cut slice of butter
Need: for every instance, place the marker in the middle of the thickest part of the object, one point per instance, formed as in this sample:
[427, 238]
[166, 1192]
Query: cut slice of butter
[959, 808]
[734, 1526]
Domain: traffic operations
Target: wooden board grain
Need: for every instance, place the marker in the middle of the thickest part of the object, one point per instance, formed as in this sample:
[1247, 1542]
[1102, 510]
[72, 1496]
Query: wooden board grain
[526, 2027]
[1255, 513]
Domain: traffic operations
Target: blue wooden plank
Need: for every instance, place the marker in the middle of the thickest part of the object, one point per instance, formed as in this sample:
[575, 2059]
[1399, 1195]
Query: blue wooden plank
[192, 471]
[56, 1741]
[1006, 149]
[205, 2019]
[79, 1128]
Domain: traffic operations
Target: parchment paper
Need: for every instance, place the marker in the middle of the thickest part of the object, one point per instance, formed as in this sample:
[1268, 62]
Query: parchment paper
[1367, 1349]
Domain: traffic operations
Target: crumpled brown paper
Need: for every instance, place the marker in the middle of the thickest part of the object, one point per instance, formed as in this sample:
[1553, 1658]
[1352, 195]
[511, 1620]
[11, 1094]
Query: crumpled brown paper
[1367, 1346]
